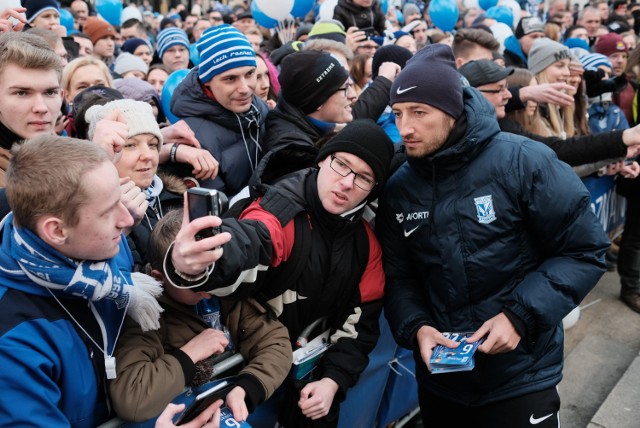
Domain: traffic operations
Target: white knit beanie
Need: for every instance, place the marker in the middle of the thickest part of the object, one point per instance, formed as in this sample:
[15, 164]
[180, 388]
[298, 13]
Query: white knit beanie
[139, 117]
[125, 62]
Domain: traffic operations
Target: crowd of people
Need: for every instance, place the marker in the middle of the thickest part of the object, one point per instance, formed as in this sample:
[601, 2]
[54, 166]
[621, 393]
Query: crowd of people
[372, 161]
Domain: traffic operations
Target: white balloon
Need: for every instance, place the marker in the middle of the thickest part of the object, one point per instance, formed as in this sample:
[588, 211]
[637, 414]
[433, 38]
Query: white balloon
[501, 32]
[468, 4]
[275, 9]
[326, 9]
[515, 8]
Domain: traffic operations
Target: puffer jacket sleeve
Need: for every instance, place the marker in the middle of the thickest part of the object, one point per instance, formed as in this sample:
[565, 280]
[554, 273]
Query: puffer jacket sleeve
[373, 100]
[558, 212]
[258, 241]
[264, 343]
[404, 304]
[356, 330]
[578, 150]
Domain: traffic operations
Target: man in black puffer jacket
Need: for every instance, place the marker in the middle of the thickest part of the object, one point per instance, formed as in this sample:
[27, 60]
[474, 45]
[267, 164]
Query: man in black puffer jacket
[484, 232]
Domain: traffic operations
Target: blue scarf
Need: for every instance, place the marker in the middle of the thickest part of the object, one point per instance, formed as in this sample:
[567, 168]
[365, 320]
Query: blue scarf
[26, 259]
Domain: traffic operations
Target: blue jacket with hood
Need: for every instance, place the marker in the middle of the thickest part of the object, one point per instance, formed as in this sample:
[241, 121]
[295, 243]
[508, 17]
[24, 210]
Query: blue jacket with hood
[234, 139]
[513, 54]
[490, 223]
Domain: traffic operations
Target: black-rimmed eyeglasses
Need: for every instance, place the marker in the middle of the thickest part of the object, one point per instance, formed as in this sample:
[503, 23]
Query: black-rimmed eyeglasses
[345, 88]
[494, 91]
[339, 166]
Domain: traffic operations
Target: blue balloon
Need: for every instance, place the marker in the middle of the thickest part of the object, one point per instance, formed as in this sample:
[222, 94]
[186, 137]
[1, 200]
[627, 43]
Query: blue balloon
[384, 5]
[110, 10]
[194, 56]
[400, 16]
[444, 14]
[66, 19]
[487, 4]
[169, 87]
[501, 14]
[301, 8]
[261, 18]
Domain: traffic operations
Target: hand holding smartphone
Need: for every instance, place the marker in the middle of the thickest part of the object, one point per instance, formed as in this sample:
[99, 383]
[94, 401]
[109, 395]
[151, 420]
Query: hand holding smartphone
[369, 32]
[204, 400]
[206, 202]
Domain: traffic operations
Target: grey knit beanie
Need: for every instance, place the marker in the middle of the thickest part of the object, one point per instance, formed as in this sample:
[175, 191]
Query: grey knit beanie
[545, 52]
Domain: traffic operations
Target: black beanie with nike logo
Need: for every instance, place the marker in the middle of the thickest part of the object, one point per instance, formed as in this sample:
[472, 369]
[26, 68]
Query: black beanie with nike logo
[430, 77]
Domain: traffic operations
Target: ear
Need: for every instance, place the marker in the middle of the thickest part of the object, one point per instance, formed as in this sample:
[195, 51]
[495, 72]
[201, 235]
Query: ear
[52, 230]
[459, 62]
[157, 275]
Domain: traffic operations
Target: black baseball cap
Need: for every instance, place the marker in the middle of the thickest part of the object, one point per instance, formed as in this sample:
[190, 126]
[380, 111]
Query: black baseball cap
[483, 72]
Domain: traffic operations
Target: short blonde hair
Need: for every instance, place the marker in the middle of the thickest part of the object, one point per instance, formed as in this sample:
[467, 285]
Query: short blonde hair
[46, 175]
[28, 51]
[80, 62]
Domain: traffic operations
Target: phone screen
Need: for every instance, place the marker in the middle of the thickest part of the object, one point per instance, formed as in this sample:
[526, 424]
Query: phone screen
[204, 400]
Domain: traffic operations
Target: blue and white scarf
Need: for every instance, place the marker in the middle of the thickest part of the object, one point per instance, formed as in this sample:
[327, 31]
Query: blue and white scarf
[24, 258]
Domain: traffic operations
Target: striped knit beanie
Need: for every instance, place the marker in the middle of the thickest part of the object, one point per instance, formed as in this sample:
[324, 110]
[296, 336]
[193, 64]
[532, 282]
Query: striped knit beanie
[170, 37]
[223, 48]
[595, 60]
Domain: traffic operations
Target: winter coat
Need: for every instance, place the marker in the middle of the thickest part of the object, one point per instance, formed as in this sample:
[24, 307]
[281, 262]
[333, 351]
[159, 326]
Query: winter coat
[234, 140]
[294, 136]
[492, 223]
[333, 283]
[352, 15]
[606, 116]
[152, 370]
[52, 374]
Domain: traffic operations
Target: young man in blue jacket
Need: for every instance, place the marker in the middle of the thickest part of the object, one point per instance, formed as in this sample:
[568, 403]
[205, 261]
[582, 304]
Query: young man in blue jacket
[483, 232]
[65, 284]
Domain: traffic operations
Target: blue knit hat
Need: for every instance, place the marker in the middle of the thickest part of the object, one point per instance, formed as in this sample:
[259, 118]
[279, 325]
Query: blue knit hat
[574, 42]
[595, 60]
[36, 7]
[223, 48]
[170, 37]
[132, 44]
[430, 77]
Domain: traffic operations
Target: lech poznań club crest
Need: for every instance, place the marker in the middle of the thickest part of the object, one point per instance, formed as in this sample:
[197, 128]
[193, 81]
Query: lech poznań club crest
[484, 209]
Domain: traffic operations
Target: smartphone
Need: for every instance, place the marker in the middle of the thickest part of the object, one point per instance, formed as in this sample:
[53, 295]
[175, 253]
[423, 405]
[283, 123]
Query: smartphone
[368, 31]
[204, 400]
[205, 202]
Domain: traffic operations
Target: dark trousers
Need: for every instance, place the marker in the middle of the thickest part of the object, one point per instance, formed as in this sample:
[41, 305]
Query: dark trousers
[536, 410]
[629, 254]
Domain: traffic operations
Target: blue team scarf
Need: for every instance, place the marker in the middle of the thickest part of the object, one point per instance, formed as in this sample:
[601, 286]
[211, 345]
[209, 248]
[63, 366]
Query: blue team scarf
[26, 259]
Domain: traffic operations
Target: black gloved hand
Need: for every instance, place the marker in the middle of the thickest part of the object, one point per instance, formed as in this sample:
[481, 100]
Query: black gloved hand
[596, 86]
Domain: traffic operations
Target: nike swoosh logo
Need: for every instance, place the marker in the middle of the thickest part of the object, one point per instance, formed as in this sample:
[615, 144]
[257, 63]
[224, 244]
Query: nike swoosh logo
[402, 91]
[409, 232]
[534, 421]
